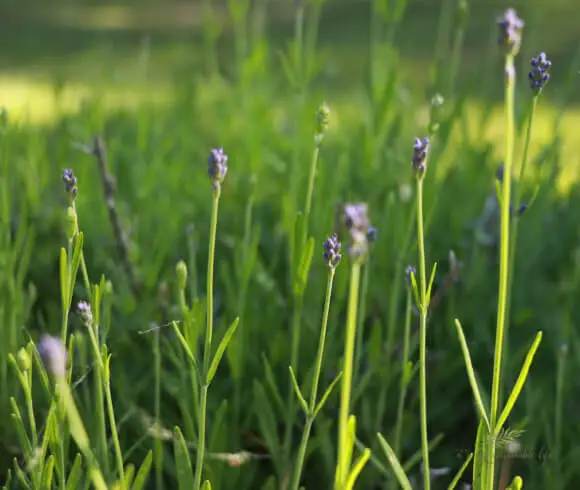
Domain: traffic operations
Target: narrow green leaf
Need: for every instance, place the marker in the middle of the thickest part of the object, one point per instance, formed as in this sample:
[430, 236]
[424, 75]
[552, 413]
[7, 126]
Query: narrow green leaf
[455, 480]
[129, 474]
[221, 349]
[185, 346]
[143, 473]
[266, 419]
[304, 267]
[8, 481]
[182, 461]
[326, 394]
[47, 473]
[402, 478]
[20, 429]
[301, 399]
[519, 384]
[75, 262]
[271, 381]
[21, 476]
[480, 457]
[471, 375]
[206, 485]
[357, 468]
[74, 475]
[516, 484]
[431, 279]
[64, 278]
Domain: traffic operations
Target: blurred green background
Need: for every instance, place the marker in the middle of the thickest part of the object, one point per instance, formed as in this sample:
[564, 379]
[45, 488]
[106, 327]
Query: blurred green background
[148, 76]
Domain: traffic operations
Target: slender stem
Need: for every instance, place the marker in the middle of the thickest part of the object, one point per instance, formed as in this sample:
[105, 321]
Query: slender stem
[208, 335]
[294, 355]
[404, 381]
[114, 432]
[504, 260]
[157, 391]
[315, 381]
[361, 317]
[515, 222]
[310, 191]
[424, 309]
[343, 463]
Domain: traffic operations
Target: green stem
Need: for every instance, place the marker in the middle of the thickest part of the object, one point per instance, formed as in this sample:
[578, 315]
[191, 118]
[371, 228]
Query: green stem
[208, 336]
[310, 191]
[424, 308]
[343, 463]
[114, 431]
[315, 381]
[295, 350]
[404, 382]
[504, 261]
[515, 222]
[361, 317]
[158, 443]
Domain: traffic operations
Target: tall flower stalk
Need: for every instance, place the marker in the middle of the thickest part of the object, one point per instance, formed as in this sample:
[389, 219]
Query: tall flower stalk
[421, 151]
[538, 76]
[332, 257]
[217, 170]
[510, 37]
[358, 226]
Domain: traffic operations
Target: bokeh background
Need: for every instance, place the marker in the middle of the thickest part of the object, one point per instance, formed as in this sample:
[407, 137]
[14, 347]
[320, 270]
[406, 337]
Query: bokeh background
[164, 81]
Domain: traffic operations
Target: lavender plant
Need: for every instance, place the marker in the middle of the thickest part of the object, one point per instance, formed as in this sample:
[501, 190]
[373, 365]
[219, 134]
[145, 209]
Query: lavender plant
[332, 258]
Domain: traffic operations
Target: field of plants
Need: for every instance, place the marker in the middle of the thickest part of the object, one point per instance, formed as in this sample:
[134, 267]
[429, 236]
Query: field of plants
[274, 245]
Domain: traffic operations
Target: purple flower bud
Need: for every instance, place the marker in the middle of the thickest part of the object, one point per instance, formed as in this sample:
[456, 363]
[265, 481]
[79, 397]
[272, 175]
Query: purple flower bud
[85, 312]
[540, 73]
[70, 182]
[410, 272]
[372, 234]
[332, 251]
[53, 355]
[217, 167]
[510, 32]
[420, 152]
[359, 229]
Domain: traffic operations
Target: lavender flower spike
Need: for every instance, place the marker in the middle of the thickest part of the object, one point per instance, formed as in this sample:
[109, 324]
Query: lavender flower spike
[85, 312]
[358, 226]
[70, 182]
[540, 73]
[332, 251]
[510, 32]
[420, 152]
[53, 355]
[217, 167]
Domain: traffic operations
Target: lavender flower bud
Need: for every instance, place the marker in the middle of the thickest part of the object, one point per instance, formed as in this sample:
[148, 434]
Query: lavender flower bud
[181, 273]
[372, 234]
[358, 225]
[53, 355]
[410, 272]
[499, 173]
[510, 32]
[217, 167]
[85, 312]
[540, 73]
[70, 183]
[420, 152]
[322, 119]
[332, 251]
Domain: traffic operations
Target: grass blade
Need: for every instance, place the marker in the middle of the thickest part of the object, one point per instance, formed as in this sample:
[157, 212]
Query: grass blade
[519, 384]
[221, 349]
[143, 473]
[455, 480]
[395, 464]
[182, 461]
[471, 375]
[301, 399]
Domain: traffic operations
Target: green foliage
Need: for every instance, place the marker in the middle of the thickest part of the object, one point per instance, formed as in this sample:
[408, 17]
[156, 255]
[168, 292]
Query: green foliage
[144, 362]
